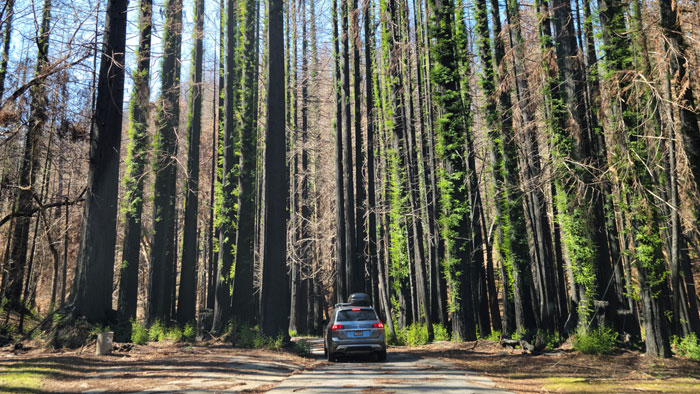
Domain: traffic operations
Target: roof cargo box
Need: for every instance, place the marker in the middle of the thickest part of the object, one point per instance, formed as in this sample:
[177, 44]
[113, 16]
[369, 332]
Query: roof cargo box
[359, 299]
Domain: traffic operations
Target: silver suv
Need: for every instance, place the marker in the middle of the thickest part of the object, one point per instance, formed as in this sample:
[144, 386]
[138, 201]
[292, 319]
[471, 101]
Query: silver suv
[354, 329]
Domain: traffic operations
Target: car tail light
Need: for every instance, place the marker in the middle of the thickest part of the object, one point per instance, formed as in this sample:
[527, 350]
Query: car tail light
[378, 325]
[336, 327]
[355, 309]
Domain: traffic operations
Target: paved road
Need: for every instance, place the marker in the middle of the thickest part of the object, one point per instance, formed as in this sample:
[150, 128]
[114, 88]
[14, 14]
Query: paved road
[399, 374]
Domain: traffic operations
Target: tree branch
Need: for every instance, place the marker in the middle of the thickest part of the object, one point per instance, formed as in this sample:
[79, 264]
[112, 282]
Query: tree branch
[52, 69]
[34, 210]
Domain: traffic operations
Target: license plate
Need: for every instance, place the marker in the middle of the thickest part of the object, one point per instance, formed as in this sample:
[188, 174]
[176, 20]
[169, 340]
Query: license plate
[358, 333]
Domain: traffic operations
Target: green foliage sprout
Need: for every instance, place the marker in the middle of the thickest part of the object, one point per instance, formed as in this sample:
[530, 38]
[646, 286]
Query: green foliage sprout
[688, 346]
[601, 340]
[157, 332]
[139, 333]
[440, 333]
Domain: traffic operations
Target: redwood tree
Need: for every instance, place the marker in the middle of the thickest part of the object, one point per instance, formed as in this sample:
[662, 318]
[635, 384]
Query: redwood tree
[450, 148]
[187, 295]
[92, 289]
[243, 290]
[274, 300]
[163, 250]
[136, 160]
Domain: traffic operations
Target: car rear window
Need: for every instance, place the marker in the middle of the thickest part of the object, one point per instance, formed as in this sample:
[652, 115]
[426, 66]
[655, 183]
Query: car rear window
[362, 314]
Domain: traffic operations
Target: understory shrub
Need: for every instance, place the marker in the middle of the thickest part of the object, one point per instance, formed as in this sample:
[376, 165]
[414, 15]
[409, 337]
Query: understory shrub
[174, 334]
[392, 339]
[157, 331]
[440, 332]
[494, 336]
[416, 334]
[139, 333]
[413, 335]
[189, 332]
[518, 334]
[247, 336]
[601, 340]
[302, 347]
[550, 339]
[688, 346]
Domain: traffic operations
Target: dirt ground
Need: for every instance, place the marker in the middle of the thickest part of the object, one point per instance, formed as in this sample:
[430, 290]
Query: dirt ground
[565, 370]
[162, 367]
[216, 367]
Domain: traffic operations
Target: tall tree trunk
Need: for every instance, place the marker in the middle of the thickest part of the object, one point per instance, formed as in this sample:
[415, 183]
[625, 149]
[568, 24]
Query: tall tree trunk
[659, 128]
[229, 177]
[521, 212]
[678, 57]
[172, 287]
[600, 150]
[352, 264]
[685, 310]
[243, 290]
[163, 251]
[6, 36]
[92, 289]
[450, 147]
[428, 169]
[642, 212]
[410, 150]
[64, 271]
[275, 281]
[29, 168]
[372, 258]
[187, 295]
[293, 164]
[433, 163]
[383, 278]
[398, 243]
[305, 241]
[136, 159]
[593, 211]
[26, 300]
[341, 252]
[506, 174]
[59, 194]
[497, 132]
[260, 178]
[684, 318]
[545, 300]
[315, 314]
[480, 298]
[360, 260]
[217, 168]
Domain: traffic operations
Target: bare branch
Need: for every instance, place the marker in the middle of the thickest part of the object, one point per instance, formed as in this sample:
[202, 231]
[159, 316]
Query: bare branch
[34, 210]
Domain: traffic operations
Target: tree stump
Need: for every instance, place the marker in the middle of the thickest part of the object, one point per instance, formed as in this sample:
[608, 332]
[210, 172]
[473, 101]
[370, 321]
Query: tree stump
[205, 319]
[600, 310]
[104, 343]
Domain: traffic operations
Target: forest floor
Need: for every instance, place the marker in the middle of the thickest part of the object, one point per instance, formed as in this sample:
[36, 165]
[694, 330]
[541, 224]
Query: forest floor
[216, 367]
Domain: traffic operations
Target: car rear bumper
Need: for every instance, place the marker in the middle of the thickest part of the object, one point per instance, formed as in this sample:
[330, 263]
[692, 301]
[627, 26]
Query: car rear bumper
[352, 346]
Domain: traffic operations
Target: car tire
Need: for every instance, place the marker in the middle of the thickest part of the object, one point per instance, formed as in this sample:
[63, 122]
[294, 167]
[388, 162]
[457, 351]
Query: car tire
[381, 355]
